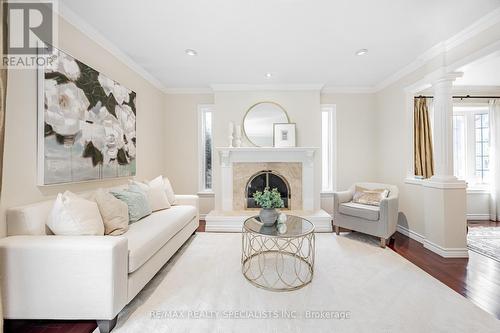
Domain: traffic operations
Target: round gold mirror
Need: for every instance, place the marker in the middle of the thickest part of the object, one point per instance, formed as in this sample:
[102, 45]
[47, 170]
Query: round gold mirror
[259, 122]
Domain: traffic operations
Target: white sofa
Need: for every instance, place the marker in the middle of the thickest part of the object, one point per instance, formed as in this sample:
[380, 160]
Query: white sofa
[380, 221]
[85, 277]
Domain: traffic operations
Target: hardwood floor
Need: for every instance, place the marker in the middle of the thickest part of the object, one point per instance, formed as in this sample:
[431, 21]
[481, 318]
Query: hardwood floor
[477, 278]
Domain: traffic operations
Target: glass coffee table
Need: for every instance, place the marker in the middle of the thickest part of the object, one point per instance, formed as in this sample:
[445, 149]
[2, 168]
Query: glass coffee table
[276, 259]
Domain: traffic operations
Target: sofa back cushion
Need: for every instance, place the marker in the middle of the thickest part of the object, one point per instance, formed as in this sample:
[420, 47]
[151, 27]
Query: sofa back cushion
[114, 213]
[136, 200]
[75, 216]
[169, 191]
[155, 192]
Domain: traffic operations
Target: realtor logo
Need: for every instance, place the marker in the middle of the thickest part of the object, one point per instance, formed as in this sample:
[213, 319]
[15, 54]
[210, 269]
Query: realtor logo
[31, 33]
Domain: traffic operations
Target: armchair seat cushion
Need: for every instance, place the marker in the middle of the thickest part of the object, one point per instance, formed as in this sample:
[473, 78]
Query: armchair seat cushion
[365, 212]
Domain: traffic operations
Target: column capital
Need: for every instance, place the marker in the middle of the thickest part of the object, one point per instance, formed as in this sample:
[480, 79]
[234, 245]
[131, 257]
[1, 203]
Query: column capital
[447, 78]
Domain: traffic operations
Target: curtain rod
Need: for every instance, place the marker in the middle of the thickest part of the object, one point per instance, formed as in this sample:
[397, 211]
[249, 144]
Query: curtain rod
[462, 97]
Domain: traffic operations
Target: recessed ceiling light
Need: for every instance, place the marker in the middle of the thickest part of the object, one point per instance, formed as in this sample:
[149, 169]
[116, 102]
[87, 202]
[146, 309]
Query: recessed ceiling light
[361, 52]
[191, 52]
[269, 75]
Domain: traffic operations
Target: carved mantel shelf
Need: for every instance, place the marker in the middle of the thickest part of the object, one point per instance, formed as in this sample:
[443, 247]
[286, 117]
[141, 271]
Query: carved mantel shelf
[266, 154]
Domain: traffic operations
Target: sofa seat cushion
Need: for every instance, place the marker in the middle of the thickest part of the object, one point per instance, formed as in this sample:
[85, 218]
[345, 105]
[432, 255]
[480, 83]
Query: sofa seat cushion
[366, 212]
[148, 235]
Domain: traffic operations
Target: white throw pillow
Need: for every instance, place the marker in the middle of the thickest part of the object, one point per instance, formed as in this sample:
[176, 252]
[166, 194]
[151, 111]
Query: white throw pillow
[74, 216]
[155, 193]
[169, 190]
[114, 213]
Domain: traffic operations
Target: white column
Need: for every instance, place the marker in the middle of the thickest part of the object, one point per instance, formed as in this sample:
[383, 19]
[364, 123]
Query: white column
[443, 128]
[445, 201]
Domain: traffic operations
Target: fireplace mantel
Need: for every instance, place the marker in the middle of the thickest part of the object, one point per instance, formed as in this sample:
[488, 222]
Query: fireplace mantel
[230, 155]
[266, 154]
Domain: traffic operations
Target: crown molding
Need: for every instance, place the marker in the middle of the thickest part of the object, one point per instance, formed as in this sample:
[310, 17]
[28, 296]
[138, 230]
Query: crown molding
[76, 21]
[347, 90]
[188, 91]
[458, 39]
[266, 87]
[486, 90]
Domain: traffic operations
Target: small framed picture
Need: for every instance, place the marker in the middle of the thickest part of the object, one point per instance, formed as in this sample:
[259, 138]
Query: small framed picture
[284, 134]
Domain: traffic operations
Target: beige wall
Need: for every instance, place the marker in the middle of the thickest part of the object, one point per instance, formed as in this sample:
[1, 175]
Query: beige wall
[181, 159]
[356, 137]
[20, 167]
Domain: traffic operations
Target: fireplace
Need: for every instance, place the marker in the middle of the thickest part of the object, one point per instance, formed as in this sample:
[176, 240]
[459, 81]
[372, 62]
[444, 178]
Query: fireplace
[270, 179]
[249, 177]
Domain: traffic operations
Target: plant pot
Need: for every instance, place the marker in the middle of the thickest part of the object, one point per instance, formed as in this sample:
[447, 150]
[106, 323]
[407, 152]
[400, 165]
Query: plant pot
[268, 216]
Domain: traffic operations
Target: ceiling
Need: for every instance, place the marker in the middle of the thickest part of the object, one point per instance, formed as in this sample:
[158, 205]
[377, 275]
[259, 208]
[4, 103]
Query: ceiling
[484, 72]
[298, 41]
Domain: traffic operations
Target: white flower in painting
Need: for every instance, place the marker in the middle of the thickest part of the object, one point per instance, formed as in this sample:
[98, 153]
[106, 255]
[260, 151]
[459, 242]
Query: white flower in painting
[66, 106]
[106, 83]
[121, 94]
[113, 141]
[126, 117]
[94, 133]
[68, 66]
[111, 148]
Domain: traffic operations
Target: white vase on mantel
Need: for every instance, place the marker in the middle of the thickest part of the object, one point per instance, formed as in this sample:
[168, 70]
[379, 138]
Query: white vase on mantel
[230, 134]
[237, 137]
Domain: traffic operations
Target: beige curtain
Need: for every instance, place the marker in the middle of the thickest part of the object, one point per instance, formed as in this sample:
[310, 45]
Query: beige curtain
[3, 95]
[422, 140]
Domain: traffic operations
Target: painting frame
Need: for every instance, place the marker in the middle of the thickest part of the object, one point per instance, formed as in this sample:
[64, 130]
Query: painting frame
[284, 135]
[126, 139]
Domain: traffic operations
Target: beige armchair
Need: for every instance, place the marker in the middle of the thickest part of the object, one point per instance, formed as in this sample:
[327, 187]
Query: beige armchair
[380, 221]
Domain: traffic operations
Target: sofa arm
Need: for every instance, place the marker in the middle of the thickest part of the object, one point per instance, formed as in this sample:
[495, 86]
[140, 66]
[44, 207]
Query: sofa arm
[186, 199]
[389, 210]
[190, 200]
[341, 197]
[63, 277]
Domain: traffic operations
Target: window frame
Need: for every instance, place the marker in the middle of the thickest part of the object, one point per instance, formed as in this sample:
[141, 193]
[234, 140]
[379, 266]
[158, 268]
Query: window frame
[331, 150]
[469, 112]
[202, 110]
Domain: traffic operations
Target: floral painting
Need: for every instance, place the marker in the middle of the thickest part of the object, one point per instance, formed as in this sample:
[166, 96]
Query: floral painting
[87, 127]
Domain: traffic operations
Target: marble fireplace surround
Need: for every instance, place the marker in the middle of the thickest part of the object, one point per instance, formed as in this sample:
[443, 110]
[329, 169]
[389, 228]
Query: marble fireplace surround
[243, 171]
[230, 157]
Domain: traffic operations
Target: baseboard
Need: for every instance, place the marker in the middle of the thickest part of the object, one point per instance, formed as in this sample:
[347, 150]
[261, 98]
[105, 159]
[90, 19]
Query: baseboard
[478, 217]
[410, 233]
[446, 252]
[443, 252]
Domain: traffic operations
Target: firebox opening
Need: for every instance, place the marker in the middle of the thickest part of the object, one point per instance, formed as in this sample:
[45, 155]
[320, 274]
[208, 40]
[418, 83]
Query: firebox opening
[263, 179]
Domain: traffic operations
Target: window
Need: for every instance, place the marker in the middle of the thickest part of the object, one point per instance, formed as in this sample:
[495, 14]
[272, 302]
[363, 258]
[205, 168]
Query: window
[327, 148]
[205, 148]
[471, 144]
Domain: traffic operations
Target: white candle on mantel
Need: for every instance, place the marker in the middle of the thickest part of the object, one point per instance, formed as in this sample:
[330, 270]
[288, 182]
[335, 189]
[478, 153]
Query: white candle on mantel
[238, 131]
[230, 129]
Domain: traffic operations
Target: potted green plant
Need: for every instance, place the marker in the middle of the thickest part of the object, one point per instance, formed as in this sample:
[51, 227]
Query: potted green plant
[268, 200]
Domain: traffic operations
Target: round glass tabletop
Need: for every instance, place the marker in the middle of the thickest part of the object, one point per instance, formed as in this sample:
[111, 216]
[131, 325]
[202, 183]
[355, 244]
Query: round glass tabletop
[295, 227]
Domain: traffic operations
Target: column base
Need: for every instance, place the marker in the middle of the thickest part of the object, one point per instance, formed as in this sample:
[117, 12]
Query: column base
[445, 218]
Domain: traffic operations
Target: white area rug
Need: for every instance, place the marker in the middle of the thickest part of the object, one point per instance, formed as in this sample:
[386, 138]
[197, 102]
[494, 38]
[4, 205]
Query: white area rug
[485, 240]
[381, 291]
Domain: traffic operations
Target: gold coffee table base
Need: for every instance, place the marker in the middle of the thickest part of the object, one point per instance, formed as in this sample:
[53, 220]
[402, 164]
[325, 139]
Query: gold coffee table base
[278, 263]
